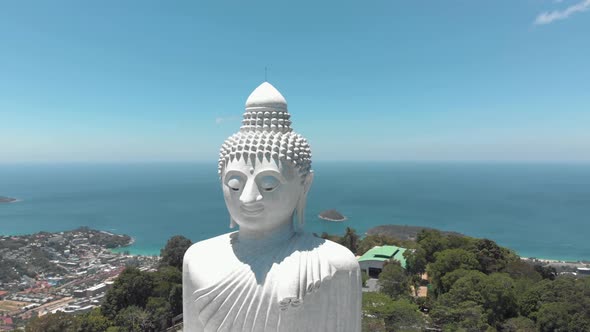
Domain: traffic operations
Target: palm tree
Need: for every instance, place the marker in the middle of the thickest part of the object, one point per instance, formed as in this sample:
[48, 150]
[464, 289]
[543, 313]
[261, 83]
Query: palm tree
[350, 239]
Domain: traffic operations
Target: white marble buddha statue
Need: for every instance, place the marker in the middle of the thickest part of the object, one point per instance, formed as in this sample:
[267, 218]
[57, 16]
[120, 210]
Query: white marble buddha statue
[269, 275]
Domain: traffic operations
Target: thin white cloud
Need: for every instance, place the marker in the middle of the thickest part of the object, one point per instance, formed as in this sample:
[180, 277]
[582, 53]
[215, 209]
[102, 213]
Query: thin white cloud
[548, 17]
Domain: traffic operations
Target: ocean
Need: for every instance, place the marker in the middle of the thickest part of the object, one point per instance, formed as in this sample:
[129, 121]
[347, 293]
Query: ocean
[538, 210]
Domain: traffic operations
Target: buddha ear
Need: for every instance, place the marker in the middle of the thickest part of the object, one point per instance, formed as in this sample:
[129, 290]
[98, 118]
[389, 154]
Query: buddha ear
[232, 222]
[307, 182]
[300, 211]
[302, 202]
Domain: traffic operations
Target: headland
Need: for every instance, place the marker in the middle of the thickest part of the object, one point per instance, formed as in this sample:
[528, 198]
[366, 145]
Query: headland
[404, 232]
[410, 233]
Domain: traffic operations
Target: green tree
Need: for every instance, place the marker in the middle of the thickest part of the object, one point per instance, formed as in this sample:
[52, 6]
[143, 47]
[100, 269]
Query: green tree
[499, 297]
[175, 300]
[563, 304]
[405, 317]
[350, 239]
[447, 261]
[394, 281]
[415, 261]
[373, 324]
[519, 269]
[460, 242]
[131, 288]
[164, 279]
[519, 324]
[331, 237]
[553, 317]
[370, 241]
[449, 279]
[377, 304]
[396, 315]
[134, 319]
[467, 288]
[94, 321]
[115, 329]
[173, 253]
[466, 316]
[530, 299]
[494, 293]
[432, 241]
[58, 322]
[160, 312]
[492, 257]
[546, 272]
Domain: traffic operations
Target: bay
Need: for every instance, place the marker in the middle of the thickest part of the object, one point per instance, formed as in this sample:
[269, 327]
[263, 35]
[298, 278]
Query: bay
[539, 210]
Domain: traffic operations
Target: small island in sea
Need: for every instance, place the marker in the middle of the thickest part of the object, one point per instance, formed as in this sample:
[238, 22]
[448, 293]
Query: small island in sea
[4, 199]
[332, 215]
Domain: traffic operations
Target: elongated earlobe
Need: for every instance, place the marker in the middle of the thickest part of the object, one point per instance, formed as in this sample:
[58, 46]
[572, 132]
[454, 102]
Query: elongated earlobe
[232, 223]
[307, 182]
[300, 209]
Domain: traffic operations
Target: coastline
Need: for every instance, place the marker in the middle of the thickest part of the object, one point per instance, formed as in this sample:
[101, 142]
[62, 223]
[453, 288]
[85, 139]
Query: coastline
[560, 266]
[195, 213]
[556, 261]
[135, 251]
[334, 220]
[410, 232]
[138, 250]
[144, 251]
[141, 251]
[121, 249]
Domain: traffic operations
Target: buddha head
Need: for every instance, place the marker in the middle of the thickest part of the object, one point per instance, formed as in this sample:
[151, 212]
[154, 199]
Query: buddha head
[265, 168]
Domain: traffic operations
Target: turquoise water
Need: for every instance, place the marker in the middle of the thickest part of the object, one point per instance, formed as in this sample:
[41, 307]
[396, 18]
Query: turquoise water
[540, 210]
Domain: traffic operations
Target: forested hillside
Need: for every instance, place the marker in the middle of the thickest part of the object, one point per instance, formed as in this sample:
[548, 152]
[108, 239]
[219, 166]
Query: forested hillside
[473, 285]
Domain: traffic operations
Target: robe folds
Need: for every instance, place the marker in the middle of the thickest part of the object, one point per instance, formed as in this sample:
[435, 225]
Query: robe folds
[302, 284]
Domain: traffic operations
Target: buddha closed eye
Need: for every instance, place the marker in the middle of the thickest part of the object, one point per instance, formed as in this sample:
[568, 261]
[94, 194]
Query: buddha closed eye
[268, 183]
[265, 165]
[235, 183]
[258, 278]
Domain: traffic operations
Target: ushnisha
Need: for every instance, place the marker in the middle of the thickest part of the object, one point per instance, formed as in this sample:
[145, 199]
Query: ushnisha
[269, 275]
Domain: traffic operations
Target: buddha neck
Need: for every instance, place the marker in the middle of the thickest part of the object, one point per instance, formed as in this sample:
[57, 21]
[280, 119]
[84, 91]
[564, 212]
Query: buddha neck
[270, 237]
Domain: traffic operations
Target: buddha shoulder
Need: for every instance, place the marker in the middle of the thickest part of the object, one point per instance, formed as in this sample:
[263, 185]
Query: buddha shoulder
[339, 256]
[209, 248]
[209, 253]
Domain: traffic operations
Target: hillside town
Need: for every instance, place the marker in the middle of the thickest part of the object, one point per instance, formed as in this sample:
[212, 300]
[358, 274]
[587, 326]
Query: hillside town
[67, 271]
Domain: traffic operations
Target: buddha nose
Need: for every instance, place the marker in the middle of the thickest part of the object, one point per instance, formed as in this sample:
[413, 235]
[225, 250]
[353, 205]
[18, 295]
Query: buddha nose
[250, 194]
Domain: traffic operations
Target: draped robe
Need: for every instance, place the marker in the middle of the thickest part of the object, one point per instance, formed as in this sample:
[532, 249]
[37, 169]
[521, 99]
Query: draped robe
[302, 284]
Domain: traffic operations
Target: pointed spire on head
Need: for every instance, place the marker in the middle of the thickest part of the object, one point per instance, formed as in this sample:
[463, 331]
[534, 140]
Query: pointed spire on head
[266, 133]
[266, 96]
[266, 110]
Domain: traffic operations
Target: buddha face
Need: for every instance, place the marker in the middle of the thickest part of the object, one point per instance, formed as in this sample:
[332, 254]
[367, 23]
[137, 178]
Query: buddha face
[263, 195]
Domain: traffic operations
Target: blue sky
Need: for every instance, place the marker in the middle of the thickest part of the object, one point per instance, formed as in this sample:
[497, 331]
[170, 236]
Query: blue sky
[125, 81]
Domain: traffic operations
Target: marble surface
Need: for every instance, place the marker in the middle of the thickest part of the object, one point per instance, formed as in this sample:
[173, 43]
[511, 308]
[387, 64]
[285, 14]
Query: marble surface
[270, 275]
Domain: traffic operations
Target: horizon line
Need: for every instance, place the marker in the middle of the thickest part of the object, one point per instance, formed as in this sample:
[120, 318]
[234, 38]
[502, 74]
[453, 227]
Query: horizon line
[416, 161]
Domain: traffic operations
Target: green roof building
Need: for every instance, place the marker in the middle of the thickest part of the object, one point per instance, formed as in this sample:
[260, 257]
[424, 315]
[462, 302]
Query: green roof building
[373, 260]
